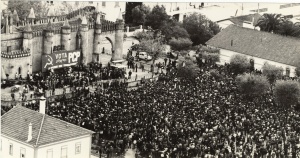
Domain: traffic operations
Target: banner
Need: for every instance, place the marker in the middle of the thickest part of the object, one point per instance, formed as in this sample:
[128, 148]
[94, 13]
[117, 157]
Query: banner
[60, 59]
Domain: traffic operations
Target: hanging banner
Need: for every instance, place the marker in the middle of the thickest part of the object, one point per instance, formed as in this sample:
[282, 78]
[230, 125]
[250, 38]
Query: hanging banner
[60, 59]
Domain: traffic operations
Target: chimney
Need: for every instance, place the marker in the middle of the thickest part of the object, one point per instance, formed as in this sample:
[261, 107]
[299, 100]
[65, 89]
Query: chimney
[42, 105]
[231, 42]
[29, 132]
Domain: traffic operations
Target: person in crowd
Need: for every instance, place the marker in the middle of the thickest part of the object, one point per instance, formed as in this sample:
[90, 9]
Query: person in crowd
[176, 117]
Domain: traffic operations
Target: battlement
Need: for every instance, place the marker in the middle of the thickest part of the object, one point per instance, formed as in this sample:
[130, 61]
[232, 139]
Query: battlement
[38, 25]
[16, 54]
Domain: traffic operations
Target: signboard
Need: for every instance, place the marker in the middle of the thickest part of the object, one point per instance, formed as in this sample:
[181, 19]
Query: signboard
[60, 59]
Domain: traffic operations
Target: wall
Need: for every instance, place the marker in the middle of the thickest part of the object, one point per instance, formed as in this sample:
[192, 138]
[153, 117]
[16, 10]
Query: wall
[56, 148]
[258, 62]
[37, 51]
[16, 63]
[15, 44]
[4, 153]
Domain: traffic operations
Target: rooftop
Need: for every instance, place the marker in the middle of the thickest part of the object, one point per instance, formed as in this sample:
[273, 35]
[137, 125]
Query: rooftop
[281, 49]
[45, 129]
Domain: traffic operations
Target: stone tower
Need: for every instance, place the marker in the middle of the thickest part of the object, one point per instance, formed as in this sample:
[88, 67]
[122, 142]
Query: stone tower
[48, 39]
[97, 40]
[118, 52]
[66, 35]
[84, 40]
[7, 18]
[27, 37]
[27, 43]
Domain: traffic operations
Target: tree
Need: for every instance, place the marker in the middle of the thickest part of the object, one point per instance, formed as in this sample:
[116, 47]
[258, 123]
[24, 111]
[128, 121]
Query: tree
[272, 72]
[144, 35]
[173, 29]
[23, 8]
[211, 55]
[288, 28]
[287, 93]
[189, 71]
[139, 14]
[239, 64]
[251, 85]
[128, 11]
[153, 47]
[269, 22]
[157, 17]
[215, 74]
[180, 43]
[200, 28]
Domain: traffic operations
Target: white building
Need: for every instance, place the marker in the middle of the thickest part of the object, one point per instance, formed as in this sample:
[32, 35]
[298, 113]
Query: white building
[29, 134]
[110, 9]
[261, 46]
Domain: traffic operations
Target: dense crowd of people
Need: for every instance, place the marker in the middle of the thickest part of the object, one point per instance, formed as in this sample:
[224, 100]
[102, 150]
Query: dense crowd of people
[175, 117]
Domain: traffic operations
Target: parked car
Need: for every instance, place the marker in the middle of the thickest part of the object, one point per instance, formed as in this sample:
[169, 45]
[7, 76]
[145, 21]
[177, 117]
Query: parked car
[144, 56]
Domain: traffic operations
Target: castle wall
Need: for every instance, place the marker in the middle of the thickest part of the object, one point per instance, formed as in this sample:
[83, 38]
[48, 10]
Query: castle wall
[11, 66]
[73, 41]
[37, 52]
[16, 44]
[91, 44]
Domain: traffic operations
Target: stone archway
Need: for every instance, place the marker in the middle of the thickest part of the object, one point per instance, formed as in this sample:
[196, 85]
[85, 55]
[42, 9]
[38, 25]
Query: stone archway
[107, 46]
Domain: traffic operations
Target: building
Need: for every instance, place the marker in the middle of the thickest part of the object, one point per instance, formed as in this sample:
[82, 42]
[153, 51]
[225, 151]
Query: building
[261, 46]
[30, 134]
[109, 9]
[56, 41]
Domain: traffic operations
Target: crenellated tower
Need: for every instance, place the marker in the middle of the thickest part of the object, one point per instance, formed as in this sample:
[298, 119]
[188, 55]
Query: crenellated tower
[84, 40]
[8, 20]
[66, 35]
[118, 52]
[97, 38]
[48, 39]
[27, 43]
[31, 16]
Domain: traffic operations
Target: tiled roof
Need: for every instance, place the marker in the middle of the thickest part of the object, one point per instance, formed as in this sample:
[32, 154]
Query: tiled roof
[240, 19]
[259, 44]
[15, 123]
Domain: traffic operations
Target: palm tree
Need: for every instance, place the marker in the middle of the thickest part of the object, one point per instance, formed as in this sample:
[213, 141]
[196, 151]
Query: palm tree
[288, 28]
[269, 22]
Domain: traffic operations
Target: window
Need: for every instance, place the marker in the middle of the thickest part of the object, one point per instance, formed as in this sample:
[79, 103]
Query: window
[76, 3]
[8, 48]
[10, 149]
[77, 148]
[90, 2]
[103, 4]
[64, 150]
[49, 153]
[22, 153]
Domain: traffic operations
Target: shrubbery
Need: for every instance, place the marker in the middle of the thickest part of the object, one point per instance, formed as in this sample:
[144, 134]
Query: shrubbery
[287, 93]
[216, 74]
[144, 35]
[189, 71]
[252, 85]
[239, 64]
[272, 72]
[180, 43]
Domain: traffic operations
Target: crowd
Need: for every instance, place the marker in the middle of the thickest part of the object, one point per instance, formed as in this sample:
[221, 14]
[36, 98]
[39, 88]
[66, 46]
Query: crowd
[181, 118]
